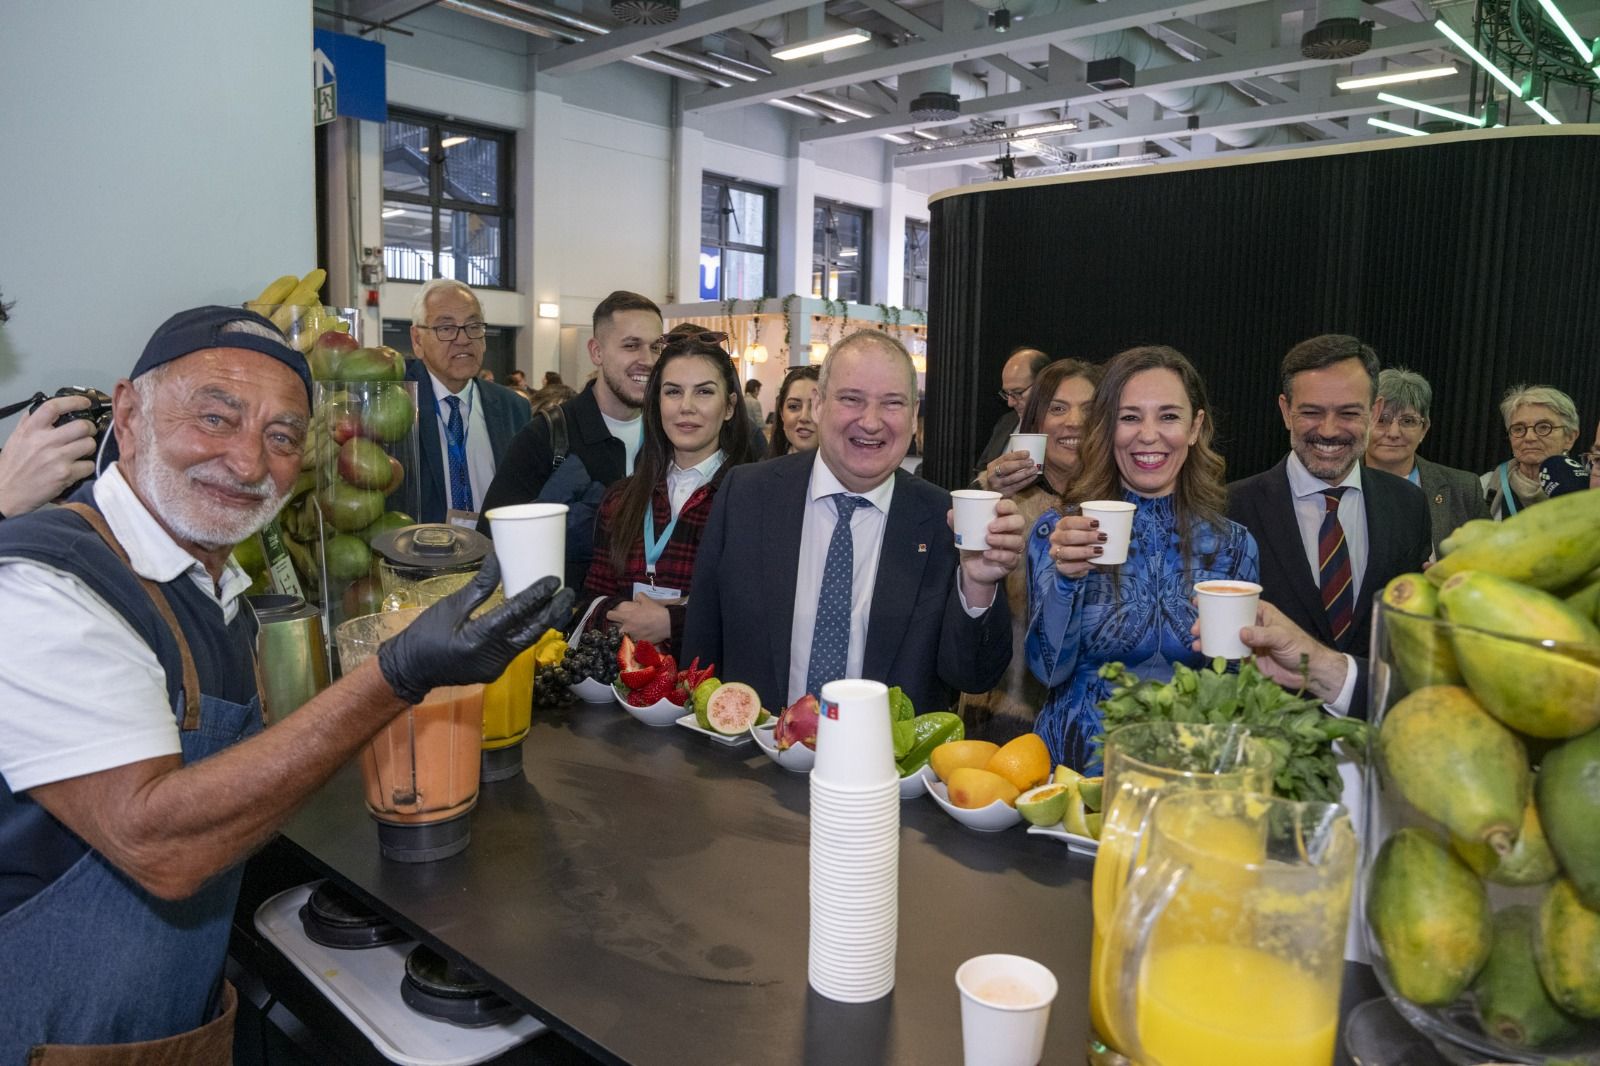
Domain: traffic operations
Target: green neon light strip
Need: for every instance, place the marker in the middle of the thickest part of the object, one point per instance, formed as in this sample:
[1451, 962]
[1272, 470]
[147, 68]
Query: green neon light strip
[1395, 127]
[1478, 57]
[1442, 112]
[1543, 112]
[1565, 27]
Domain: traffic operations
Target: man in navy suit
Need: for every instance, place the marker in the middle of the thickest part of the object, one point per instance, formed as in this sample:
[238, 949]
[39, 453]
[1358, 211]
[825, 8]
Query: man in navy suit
[464, 424]
[784, 599]
[1331, 532]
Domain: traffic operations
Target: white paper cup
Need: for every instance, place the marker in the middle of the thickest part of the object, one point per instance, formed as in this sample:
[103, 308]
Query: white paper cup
[1116, 522]
[855, 748]
[1033, 444]
[530, 541]
[1225, 608]
[1005, 1009]
[974, 510]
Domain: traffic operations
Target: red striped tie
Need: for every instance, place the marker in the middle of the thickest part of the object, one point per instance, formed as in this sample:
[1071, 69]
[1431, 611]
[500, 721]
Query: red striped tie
[1333, 566]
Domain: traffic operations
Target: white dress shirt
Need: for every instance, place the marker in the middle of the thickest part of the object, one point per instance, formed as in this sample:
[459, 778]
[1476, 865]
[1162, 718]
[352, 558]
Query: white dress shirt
[816, 532]
[80, 690]
[1310, 506]
[681, 484]
[480, 453]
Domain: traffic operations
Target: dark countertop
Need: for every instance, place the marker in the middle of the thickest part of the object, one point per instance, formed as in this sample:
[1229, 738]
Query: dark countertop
[644, 891]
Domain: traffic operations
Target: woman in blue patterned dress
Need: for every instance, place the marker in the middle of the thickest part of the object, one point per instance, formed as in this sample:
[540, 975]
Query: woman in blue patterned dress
[1148, 441]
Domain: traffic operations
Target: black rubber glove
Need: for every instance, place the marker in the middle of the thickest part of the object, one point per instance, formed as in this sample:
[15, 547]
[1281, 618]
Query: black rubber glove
[447, 646]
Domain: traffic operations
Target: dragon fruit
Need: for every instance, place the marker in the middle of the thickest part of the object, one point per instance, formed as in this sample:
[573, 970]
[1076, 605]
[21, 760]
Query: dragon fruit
[797, 724]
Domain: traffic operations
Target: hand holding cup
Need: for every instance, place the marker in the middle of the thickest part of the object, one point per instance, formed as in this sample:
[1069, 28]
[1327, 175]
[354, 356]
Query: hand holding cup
[1076, 541]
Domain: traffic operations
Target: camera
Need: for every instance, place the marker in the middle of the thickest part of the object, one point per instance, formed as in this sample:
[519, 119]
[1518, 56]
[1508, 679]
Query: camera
[98, 411]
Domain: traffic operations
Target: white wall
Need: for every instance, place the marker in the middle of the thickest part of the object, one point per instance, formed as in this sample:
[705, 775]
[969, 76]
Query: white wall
[158, 155]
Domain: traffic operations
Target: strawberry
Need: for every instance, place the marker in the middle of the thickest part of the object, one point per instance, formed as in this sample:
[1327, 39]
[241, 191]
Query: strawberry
[645, 653]
[667, 667]
[679, 695]
[655, 690]
[638, 677]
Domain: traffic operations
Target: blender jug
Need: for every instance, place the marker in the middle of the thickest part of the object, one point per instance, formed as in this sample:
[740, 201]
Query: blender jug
[411, 555]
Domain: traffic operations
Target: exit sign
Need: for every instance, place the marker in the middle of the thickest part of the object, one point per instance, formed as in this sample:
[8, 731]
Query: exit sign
[325, 105]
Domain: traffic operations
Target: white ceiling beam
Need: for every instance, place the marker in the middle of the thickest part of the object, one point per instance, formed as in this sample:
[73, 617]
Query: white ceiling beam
[1178, 149]
[1409, 38]
[1025, 75]
[1104, 114]
[953, 46]
[903, 18]
[1296, 112]
[1185, 30]
[701, 20]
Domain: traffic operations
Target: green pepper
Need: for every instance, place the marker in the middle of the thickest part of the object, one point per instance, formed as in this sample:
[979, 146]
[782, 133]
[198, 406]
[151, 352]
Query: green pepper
[928, 732]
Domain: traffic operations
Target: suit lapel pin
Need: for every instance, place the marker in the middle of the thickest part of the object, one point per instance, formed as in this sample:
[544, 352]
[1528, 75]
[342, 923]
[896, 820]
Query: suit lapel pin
[1438, 497]
[922, 549]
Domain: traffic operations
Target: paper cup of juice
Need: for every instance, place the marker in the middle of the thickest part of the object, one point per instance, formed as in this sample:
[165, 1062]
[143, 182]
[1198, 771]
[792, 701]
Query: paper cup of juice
[1033, 444]
[1116, 522]
[530, 540]
[1005, 1010]
[974, 510]
[1225, 608]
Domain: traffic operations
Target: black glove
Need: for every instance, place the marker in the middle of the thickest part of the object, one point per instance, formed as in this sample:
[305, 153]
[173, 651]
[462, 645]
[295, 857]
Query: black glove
[447, 646]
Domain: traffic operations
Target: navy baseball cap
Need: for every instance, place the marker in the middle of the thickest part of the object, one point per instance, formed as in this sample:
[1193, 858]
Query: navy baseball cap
[202, 328]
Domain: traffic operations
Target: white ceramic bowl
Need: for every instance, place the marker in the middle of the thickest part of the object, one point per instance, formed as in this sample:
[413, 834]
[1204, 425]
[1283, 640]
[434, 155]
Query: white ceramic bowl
[914, 785]
[798, 757]
[591, 691]
[991, 819]
[659, 713]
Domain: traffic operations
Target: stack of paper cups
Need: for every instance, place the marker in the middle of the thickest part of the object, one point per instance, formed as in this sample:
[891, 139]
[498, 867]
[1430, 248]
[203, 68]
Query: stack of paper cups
[855, 845]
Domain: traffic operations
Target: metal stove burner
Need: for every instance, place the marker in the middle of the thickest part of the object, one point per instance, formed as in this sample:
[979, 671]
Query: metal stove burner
[335, 919]
[439, 988]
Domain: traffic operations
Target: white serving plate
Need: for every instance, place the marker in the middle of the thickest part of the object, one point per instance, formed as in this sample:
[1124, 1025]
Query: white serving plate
[1074, 842]
[916, 784]
[365, 986]
[797, 758]
[991, 819]
[688, 722]
[658, 714]
[591, 691]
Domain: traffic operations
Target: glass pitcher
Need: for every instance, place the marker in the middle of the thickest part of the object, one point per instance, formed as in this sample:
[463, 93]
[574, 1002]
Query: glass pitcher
[1143, 761]
[1231, 932]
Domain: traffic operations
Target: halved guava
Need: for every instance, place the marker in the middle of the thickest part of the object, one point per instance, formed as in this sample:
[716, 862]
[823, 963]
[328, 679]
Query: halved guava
[733, 708]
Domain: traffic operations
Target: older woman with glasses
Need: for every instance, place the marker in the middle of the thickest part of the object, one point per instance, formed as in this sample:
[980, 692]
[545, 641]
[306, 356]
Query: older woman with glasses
[1404, 399]
[1541, 422]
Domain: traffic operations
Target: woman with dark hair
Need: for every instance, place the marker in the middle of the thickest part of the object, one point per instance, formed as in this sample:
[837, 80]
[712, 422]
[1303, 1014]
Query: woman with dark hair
[1057, 407]
[1148, 441]
[797, 429]
[649, 526]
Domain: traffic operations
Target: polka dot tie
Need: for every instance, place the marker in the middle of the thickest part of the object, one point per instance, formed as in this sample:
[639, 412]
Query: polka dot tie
[830, 639]
[456, 435]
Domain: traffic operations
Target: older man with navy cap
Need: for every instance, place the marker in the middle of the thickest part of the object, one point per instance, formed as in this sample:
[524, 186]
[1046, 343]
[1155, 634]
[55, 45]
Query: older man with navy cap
[135, 772]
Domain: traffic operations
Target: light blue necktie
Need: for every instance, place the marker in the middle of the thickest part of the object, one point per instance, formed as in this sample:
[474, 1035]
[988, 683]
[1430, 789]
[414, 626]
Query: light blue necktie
[830, 639]
[456, 433]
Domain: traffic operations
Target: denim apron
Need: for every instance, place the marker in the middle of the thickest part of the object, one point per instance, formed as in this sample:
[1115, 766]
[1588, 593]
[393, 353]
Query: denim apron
[73, 951]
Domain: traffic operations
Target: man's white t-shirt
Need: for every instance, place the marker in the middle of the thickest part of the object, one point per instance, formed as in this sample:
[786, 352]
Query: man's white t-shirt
[630, 433]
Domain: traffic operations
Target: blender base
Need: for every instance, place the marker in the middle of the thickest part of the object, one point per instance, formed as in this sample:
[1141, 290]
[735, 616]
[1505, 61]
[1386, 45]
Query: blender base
[499, 764]
[425, 843]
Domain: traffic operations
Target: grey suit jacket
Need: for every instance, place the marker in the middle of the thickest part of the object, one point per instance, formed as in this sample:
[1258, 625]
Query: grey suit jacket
[1454, 498]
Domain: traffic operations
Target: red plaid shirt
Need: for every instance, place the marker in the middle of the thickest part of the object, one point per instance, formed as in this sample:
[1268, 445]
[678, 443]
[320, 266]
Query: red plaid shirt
[675, 568]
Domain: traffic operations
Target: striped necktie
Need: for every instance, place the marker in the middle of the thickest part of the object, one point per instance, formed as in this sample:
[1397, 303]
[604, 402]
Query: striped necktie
[1333, 568]
[830, 638]
[456, 434]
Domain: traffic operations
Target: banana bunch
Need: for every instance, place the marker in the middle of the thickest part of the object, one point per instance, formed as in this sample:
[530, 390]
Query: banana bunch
[295, 308]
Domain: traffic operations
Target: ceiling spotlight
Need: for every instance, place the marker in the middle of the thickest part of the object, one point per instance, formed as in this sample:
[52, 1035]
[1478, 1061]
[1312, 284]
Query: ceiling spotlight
[1008, 167]
[1000, 19]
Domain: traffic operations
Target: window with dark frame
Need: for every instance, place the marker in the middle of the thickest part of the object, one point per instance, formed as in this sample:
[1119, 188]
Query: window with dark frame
[841, 246]
[916, 264]
[738, 240]
[447, 210]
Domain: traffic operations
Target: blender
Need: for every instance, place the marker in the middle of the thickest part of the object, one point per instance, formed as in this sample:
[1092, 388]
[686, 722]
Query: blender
[420, 773]
[412, 554]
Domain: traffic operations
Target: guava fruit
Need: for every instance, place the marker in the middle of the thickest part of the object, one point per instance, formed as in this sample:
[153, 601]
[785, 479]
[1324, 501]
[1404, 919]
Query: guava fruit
[702, 696]
[733, 709]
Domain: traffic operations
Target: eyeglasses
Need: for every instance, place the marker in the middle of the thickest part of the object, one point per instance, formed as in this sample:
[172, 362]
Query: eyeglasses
[1409, 423]
[450, 331]
[1538, 429]
[671, 340]
[1011, 395]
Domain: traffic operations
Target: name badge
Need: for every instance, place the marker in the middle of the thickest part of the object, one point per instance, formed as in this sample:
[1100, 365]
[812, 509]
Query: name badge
[463, 519]
[656, 592]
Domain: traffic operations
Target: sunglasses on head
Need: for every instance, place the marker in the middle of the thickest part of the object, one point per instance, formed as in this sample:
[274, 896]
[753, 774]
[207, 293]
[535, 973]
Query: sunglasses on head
[676, 340]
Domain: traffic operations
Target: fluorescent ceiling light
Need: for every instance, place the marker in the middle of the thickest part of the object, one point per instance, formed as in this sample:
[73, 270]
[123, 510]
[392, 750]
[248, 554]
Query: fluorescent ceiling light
[1478, 57]
[1041, 128]
[847, 253]
[1597, 72]
[1395, 77]
[393, 211]
[837, 104]
[1543, 112]
[894, 138]
[549, 310]
[798, 109]
[1578, 43]
[1395, 127]
[1442, 112]
[925, 135]
[451, 142]
[823, 44]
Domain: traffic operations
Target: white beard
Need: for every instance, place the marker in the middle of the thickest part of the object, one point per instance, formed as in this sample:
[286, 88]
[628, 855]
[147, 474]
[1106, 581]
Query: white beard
[171, 496]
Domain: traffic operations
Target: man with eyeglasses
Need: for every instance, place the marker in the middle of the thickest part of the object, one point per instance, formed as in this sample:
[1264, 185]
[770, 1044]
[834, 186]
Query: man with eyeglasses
[1016, 385]
[1404, 400]
[473, 420]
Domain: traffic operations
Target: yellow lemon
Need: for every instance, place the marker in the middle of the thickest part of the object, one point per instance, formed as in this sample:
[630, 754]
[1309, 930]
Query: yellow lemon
[1024, 761]
[948, 758]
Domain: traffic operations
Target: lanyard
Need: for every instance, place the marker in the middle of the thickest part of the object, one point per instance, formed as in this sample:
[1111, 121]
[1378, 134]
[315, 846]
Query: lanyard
[1507, 497]
[653, 548]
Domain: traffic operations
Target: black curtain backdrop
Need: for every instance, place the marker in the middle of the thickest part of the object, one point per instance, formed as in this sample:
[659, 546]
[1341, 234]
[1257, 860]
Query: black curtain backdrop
[1473, 259]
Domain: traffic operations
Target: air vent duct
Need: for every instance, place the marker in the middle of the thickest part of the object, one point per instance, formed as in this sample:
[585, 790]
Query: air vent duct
[645, 12]
[936, 107]
[1108, 74]
[1336, 38]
